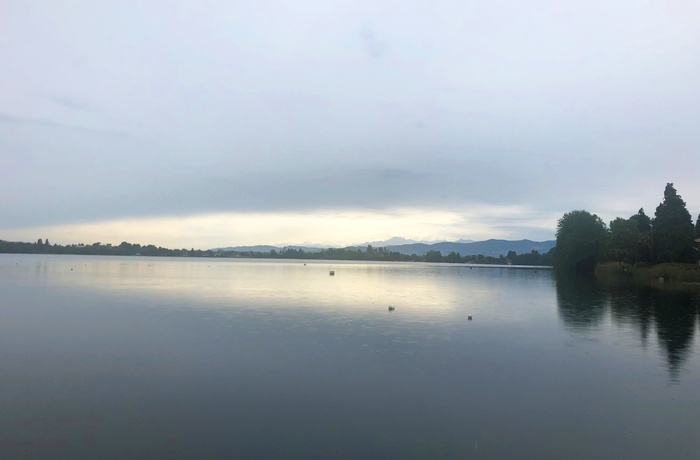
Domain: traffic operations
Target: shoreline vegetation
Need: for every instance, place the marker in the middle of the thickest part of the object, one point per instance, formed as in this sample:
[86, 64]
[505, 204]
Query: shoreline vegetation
[369, 253]
[659, 274]
[661, 251]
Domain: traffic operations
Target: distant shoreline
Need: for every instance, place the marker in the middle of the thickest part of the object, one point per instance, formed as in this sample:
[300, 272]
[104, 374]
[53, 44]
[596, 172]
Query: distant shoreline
[534, 258]
[462, 264]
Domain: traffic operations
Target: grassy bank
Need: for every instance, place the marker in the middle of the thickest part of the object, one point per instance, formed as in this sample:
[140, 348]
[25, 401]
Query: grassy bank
[670, 273]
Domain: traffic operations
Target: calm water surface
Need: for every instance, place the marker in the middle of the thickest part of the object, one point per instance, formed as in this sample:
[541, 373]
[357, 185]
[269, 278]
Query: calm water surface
[111, 357]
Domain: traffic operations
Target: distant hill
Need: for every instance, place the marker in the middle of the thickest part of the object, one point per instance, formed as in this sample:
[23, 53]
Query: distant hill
[394, 241]
[267, 248]
[493, 248]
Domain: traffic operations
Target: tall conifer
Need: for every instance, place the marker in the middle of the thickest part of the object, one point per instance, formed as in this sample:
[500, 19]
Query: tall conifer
[672, 228]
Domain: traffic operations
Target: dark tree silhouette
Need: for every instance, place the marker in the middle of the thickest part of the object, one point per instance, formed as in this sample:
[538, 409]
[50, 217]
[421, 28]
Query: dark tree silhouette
[581, 239]
[624, 240]
[672, 229]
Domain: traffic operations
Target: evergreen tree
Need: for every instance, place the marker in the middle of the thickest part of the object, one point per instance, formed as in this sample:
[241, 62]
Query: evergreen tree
[644, 240]
[672, 229]
[697, 235]
[624, 240]
[641, 221]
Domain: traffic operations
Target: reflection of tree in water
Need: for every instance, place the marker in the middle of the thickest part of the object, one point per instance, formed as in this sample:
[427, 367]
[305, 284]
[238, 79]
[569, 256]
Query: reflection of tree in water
[672, 313]
[581, 301]
[632, 307]
[675, 325]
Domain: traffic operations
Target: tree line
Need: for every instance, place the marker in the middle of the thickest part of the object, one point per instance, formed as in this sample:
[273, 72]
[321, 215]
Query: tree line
[384, 254]
[584, 240]
[99, 249]
[368, 254]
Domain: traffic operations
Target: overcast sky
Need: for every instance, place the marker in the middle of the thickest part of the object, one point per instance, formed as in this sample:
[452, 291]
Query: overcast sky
[205, 124]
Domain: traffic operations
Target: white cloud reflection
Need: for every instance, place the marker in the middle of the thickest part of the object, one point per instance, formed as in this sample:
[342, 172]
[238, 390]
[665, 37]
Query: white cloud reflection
[424, 293]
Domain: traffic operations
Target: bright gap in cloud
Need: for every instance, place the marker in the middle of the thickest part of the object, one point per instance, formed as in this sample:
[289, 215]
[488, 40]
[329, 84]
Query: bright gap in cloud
[327, 228]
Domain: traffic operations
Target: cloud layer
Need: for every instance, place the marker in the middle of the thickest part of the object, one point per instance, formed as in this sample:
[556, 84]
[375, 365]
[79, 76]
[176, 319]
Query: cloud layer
[115, 112]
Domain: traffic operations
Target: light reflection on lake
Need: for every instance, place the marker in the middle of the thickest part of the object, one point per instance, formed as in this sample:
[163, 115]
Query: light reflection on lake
[117, 357]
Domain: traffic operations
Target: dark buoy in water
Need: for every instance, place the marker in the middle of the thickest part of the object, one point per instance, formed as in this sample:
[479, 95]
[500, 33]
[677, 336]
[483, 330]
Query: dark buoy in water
[391, 308]
[469, 317]
[332, 273]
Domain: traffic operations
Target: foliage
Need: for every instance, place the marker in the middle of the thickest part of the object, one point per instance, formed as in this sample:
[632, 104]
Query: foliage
[683, 273]
[581, 239]
[641, 221]
[124, 249]
[624, 240]
[672, 230]
[630, 239]
[638, 240]
[644, 241]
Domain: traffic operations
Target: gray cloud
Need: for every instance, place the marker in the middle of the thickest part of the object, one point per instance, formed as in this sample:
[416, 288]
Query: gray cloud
[373, 46]
[4, 118]
[47, 123]
[99, 192]
[70, 103]
[498, 104]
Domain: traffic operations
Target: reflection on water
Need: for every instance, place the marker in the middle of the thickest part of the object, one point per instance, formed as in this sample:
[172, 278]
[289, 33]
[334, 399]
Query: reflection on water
[585, 305]
[118, 357]
[581, 304]
[437, 290]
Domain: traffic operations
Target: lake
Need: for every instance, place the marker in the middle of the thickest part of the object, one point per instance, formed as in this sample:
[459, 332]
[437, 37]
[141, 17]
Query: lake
[134, 357]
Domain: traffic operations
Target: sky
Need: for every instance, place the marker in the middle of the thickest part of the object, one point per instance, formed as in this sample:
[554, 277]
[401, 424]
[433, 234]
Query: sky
[210, 124]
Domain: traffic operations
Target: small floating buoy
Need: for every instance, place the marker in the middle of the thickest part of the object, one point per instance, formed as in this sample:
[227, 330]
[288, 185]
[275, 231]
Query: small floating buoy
[391, 308]
[332, 273]
[469, 317]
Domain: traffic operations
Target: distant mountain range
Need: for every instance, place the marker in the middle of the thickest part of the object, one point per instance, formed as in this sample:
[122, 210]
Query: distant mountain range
[492, 248]
[395, 241]
[266, 248]
[398, 241]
